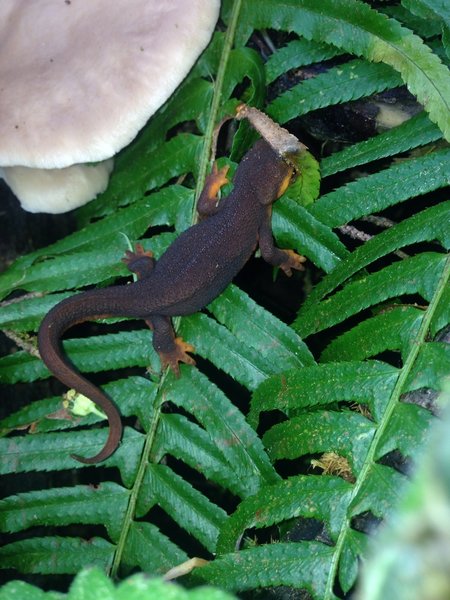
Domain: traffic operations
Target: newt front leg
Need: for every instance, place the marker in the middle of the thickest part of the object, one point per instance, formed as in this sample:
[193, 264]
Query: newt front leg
[208, 201]
[286, 260]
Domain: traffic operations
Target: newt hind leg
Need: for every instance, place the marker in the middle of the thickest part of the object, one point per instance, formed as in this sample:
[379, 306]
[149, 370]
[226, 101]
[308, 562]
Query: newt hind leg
[140, 261]
[172, 350]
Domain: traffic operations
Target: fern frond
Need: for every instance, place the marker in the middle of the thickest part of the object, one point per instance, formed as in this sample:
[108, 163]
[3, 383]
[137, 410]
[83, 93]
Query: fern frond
[349, 81]
[57, 506]
[189, 456]
[353, 26]
[418, 274]
[308, 430]
[314, 497]
[165, 207]
[414, 132]
[295, 226]
[90, 583]
[252, 325]
[297, 54]
[374, 193]
[390, 330]
[430, 224]
[56, 554]
[282, 564]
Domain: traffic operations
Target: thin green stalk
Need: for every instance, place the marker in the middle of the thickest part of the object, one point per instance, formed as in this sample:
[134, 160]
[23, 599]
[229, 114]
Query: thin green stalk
[416, 345]
[131, 508]
[204, 160]
[216, 99]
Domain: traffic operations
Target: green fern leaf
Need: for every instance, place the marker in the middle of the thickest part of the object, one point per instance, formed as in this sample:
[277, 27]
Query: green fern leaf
[442, 315]
[297, 565]
[376, 192]
[305, 189]
[227, 426]
[92, 584]
[355, 547]
[416, 131]
[215, 343]
[56, 555]
[150, 550]
[292, 439]
[69, 271]
[418, 274]
[310, 496]
[250, 324]
[294, 226]
[190, 443]
[349, 81]
[428, 225]
[163, 208]
[26, 314]
[177, 156]
[323, 384]
[355, 27]
[113, 351]
[406, 431]
[191, 509]
[51, 451]
[58, 506]
[432, 366]
[245, 63]
[391, 330]
[379, 492]
[297, 54]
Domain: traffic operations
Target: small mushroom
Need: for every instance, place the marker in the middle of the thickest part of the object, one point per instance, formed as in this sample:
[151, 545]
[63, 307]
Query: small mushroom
[79, 79]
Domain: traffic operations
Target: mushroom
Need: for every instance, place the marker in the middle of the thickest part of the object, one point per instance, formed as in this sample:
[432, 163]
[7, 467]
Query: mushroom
[79, 79]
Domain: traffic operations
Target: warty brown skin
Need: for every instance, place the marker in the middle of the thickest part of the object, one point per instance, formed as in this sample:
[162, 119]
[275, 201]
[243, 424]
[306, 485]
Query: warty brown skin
[195, 269]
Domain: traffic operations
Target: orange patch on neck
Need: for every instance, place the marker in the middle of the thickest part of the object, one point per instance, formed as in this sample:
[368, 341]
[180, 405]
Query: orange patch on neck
[285, 183]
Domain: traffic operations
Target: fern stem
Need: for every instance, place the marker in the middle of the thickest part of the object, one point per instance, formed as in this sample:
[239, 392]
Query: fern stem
[416, 345]
[131, 508]
[217, 96]
[204, 160]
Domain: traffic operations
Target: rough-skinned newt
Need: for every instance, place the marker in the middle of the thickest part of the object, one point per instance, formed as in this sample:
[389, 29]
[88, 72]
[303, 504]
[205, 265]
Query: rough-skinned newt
[195, 269]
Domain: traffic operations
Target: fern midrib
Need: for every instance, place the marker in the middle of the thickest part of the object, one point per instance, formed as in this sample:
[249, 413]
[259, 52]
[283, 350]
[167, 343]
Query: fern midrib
[215, 103]
[394, 399]
[204, 159]
[430, 81]
[131, 507]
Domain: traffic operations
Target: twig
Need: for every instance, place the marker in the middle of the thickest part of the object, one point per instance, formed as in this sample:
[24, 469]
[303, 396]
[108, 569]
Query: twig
[362, 236]
[22, 342]
[20, 298]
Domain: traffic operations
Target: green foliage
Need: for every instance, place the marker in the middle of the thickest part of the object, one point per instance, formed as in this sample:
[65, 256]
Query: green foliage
[193, 474]
[92, 584]
[403, 562]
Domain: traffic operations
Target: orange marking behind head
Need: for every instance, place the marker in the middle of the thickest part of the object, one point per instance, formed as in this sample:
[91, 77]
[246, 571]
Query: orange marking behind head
[285, 183]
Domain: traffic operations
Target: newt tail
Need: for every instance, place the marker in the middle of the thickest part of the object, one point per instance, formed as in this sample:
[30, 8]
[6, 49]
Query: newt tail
[62, 317]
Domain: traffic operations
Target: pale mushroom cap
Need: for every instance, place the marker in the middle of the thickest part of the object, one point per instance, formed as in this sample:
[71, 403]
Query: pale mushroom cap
[80, 78]
[57, 190]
